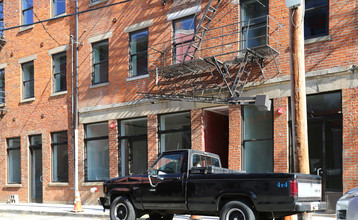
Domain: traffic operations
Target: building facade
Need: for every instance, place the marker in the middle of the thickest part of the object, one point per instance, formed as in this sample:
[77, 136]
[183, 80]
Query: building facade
[164, 75]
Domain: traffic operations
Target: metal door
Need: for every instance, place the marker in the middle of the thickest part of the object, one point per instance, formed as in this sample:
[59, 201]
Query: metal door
[36, 175]
[325, 156]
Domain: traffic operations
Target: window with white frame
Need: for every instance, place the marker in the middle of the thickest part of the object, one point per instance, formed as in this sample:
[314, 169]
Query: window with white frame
[97, 152]
[316, 18]
[13, 160]
[27, 12]
[59, 72]
[139, 53]
[28, 80]
[58, 7]
[100, 62]
[59, 157]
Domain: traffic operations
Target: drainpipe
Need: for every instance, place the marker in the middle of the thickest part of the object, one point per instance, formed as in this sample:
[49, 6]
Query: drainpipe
[75, 112]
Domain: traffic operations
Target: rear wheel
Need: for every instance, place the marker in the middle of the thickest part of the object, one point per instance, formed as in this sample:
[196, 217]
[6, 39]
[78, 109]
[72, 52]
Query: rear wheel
[122, 209]
[236, 210]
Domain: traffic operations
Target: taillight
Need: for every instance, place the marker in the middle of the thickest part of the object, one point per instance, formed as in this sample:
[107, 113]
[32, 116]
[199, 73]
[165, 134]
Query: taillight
[294, 188]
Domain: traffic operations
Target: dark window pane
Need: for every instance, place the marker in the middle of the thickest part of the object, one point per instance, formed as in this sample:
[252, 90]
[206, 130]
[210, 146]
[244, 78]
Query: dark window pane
[28, 80]
[100, 62]
[316, 3]
[257, 124]
[2, 86]
[59, 157]
[316, 23]
[253, 9]
[59, 71]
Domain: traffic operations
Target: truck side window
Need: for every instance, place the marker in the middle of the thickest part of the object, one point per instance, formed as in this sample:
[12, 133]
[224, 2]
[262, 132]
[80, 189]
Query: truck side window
[168, 164]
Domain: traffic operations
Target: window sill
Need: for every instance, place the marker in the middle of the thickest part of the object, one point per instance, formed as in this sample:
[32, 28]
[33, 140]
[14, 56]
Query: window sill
[317, 40]
[99, 85]
[137, 77]
[96, 3]
[60, 15]
[53, 184]
[92, 184]
[2, 105]
[13, 185]
[59, 93]
[26, 28]
[27, 100]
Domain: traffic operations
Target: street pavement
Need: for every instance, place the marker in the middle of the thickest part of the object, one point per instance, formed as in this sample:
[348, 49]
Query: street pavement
[41, 211]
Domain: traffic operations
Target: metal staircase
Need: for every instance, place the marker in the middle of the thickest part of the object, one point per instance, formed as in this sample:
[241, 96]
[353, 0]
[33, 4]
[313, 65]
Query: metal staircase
[201, 28]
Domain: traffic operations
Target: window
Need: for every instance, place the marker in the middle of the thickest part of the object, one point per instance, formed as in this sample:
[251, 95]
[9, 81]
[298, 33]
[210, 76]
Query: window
[316, 18]
[2, 86]
[134, 150]
[59, 157]
[59, 72]
[13, 160]
[58, 7]
[97, 152]
[100, 62]
[28, 80]
[175, 131]
[139, 53]
[184, 29]
[254, 18]
[258, 140]
[27, 12]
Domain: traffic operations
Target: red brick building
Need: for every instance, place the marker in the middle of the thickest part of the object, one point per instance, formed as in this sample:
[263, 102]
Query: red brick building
[137, 97]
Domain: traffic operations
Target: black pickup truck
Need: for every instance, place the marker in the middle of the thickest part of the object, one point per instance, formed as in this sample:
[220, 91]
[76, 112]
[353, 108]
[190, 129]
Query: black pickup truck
[193, 182]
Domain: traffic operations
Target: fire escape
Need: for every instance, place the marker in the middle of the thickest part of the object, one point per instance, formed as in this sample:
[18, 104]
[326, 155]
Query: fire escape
[219, 61]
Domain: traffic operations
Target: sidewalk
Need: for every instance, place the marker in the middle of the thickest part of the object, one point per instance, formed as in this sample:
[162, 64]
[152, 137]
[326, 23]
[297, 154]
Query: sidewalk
[91, 211]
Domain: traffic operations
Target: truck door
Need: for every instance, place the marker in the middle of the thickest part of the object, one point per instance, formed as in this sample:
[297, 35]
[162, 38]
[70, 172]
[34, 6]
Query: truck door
[163, 187]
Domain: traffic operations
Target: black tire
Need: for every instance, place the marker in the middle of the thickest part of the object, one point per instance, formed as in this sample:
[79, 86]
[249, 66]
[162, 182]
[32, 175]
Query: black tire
[122, 209]
[236, 210]
[161, 217]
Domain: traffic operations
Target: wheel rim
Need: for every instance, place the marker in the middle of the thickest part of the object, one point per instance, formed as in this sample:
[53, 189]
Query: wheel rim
[235, 214]
[121, 211]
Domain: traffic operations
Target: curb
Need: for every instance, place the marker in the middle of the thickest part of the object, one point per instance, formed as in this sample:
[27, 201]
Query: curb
[54, 213]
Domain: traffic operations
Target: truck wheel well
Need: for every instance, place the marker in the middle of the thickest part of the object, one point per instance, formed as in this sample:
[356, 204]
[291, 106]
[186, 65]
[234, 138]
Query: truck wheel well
[241, 198]
[115, 195]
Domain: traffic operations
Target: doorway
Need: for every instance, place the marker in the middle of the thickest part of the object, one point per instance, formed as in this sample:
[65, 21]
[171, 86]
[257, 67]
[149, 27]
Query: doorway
[325, 140]
[325, 156]
[35, 169]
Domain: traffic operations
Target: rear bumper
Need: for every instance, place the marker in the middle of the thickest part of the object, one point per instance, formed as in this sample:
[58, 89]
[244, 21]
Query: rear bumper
[310, 206]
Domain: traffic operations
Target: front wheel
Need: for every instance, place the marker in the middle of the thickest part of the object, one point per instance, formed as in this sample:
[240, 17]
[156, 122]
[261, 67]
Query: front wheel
[122, 209]
[236, 210]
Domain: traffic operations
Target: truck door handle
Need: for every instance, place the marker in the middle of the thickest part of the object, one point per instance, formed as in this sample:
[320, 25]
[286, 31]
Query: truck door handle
[318, 171]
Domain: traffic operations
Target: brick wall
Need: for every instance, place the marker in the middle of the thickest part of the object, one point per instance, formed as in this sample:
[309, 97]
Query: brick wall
[350, 138]
[235, 137]
[280, 122]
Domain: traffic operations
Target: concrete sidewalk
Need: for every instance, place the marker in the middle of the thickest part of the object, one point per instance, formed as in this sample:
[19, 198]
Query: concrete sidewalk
[92, 211]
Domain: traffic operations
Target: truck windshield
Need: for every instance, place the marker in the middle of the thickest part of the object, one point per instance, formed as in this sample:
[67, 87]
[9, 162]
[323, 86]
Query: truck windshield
[169, 163]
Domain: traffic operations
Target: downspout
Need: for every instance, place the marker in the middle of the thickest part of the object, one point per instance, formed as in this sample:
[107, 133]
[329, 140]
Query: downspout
[75, 113]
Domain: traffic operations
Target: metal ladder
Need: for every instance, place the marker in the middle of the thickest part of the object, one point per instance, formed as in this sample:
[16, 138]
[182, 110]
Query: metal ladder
[201, 28]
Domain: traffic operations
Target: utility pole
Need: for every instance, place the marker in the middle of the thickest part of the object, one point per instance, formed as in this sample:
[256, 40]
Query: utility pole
[298, 89]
